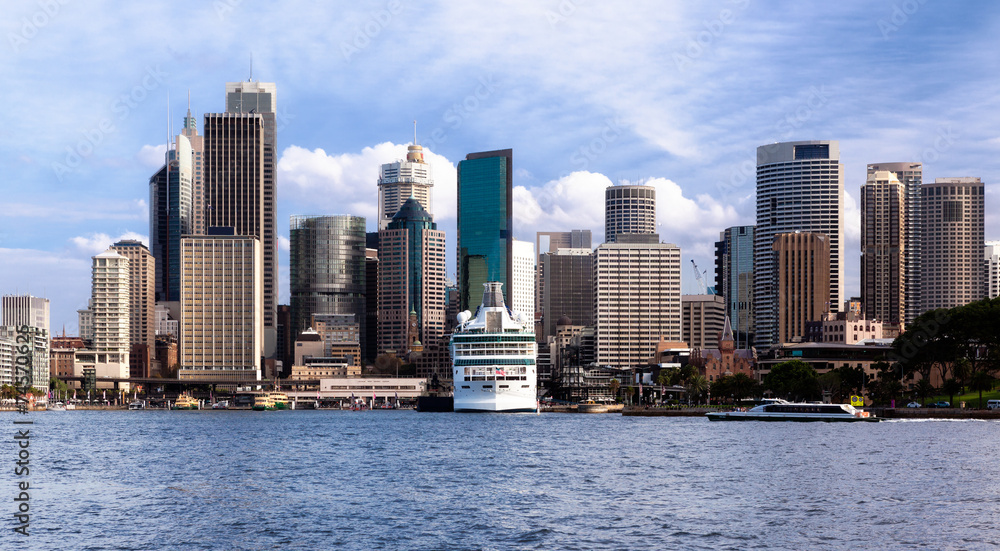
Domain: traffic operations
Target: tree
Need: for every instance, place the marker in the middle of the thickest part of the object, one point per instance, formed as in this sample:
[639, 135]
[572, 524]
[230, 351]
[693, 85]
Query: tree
[743, 386]
[923, 389]
[613, 386]
[722, 388]
[981, 381]
[696, 387]
[886, 386]
[387, 364]
[795, 380]
[951, 387]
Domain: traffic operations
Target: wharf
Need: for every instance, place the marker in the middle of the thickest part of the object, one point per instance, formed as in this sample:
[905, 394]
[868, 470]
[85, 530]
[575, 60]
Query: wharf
[934, 413]
[652, 411]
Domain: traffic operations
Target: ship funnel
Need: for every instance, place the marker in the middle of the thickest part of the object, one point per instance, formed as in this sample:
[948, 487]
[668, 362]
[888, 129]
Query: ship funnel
[492, 295]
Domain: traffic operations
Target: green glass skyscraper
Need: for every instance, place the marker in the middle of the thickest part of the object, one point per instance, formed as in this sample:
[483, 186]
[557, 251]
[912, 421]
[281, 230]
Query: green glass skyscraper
[485, 224]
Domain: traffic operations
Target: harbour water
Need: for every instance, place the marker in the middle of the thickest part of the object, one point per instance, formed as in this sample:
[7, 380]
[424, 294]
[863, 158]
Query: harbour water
[159, 480]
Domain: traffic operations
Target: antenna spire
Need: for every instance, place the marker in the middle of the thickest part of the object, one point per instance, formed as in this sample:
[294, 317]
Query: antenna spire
[251, 67]
[414, 132]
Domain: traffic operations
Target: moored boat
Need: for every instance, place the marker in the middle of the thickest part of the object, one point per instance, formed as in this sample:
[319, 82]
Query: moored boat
[56, 406]
[780, 410]
[263, 402]
[137, 404]
[185, 401]
[221, 404]
[280, 400]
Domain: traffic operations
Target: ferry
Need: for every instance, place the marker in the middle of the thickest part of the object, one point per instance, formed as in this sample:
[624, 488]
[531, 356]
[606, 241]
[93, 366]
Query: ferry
[185, 401]
[780, 410]
[493, 358]
[263, 402]
[280, 400]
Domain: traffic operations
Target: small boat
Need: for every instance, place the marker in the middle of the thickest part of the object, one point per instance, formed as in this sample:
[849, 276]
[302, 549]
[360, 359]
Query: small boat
[221, 404]
[137, 404]
[185, 401]
[780, 410]
[56, 406]
[263, 402]
[591, 406]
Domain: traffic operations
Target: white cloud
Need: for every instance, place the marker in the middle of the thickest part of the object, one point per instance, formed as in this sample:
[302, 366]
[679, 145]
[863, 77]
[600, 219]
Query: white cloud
[97, 243]
[283, 244]
[152, 156]
[57, 276]
[347, 183]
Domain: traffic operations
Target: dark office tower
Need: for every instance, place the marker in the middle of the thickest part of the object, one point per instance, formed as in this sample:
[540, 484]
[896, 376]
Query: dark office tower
[370, 350]
[802, 282]
[734, 280]
[910, 176]
[800, 187]
[952, 269]
[170, 217]
[286, 350]
[883, 249]
[411, 281]
[568, 276]
[629, 210]
[485, 224]
[327, 265]
[255, 100]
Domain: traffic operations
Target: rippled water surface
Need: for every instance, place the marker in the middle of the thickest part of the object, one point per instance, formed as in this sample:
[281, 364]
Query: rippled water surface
[407, 480]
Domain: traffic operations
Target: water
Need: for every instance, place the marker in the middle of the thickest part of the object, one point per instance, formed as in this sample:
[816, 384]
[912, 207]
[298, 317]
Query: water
[231, 480]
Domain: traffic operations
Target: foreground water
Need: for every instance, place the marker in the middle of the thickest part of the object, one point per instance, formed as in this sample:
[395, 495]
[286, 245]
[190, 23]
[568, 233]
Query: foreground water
[405, 480]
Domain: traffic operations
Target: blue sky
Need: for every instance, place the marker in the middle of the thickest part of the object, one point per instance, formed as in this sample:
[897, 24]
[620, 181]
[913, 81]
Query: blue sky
[585, 92]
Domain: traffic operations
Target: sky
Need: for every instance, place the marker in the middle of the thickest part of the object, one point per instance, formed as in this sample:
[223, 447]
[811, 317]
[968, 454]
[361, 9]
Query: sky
[587, 93]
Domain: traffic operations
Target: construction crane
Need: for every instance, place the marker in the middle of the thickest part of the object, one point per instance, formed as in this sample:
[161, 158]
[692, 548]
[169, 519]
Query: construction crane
[699, 276]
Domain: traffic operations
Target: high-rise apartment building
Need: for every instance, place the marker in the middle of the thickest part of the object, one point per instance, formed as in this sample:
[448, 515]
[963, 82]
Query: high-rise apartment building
[327, 269]
[401, 180]
[883, 248]
[800, 187]
[802, 271]
[954, 214]
[637, 301]
[170, 216]
[411, 301]
[629, 209]
[221, 299]
[734, 280]
[568, 277]
[19, 311]
[485, 224]
[704, 318]
[992, 269]
[111, 301]
[523, 282]
[142, 304]
[25, 310]
[910, 176]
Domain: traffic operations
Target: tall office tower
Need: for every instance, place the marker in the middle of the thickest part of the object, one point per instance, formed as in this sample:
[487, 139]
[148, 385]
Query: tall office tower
[221, 299]
[953, 213]
[550, 242]
[370, 350]
[992, 269]
[523, 278]
[803, 281]
[568, 276]
[142, 304]
[240, 183]
[910, 176]
[170, 216]
[401, 180]
[734, 280]
[800, 187]
[327, 266]
[883, 248]
[629, 209]
[410, 281]
[485, 224]
[26, 310]
[286, 342]
[85, 319]
[704, 318]
[193, 145]
[110, 305]
[637, 301]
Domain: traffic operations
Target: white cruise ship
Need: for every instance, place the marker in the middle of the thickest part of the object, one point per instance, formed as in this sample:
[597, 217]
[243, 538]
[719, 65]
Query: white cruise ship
[493, 355]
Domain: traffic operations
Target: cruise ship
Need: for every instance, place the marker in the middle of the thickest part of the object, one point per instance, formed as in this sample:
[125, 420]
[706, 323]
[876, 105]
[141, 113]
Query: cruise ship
[493, 356]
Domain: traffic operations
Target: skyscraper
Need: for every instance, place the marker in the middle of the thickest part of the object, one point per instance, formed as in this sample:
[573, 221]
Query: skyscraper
[221, 298]
[734, 280]
[26, 310]
[953, 212]
[568, 277]
[327, 268]
[803, 282]
[33, 312]
[401, 180]
[240, 183]
[910, 175]
[629, 209]
[800, 187]
[637, 301]
[992, 269]
[108, 355]
[884, 256]
[195, 147]
[170, 216]
[411, 281]
[142, 304]
[550, 242]
[485, 224]
[704, 318]
[523, 282]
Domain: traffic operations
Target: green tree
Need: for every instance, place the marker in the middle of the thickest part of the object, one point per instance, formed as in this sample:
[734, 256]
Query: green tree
[794, 380]
[696, 387]
[743, 386]
[722, 388]
[613, 386]
[923, 389]
[887, 384]
[951, 387]
[981, 381]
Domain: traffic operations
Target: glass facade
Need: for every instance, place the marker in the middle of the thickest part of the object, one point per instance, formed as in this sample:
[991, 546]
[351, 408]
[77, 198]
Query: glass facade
[485, 225]
[170, 218]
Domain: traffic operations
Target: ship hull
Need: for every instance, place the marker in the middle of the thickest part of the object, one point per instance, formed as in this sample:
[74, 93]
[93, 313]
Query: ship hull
[485, 397]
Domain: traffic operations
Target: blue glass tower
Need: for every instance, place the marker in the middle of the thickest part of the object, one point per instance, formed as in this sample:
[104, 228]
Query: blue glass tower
[485, 224]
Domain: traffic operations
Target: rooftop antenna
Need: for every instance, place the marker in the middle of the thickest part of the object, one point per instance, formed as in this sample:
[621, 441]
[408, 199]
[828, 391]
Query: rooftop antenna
[414, 132]
[251, 67]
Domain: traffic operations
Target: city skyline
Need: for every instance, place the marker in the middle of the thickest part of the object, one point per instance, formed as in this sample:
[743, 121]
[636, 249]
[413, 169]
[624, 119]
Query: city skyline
[662, 96]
